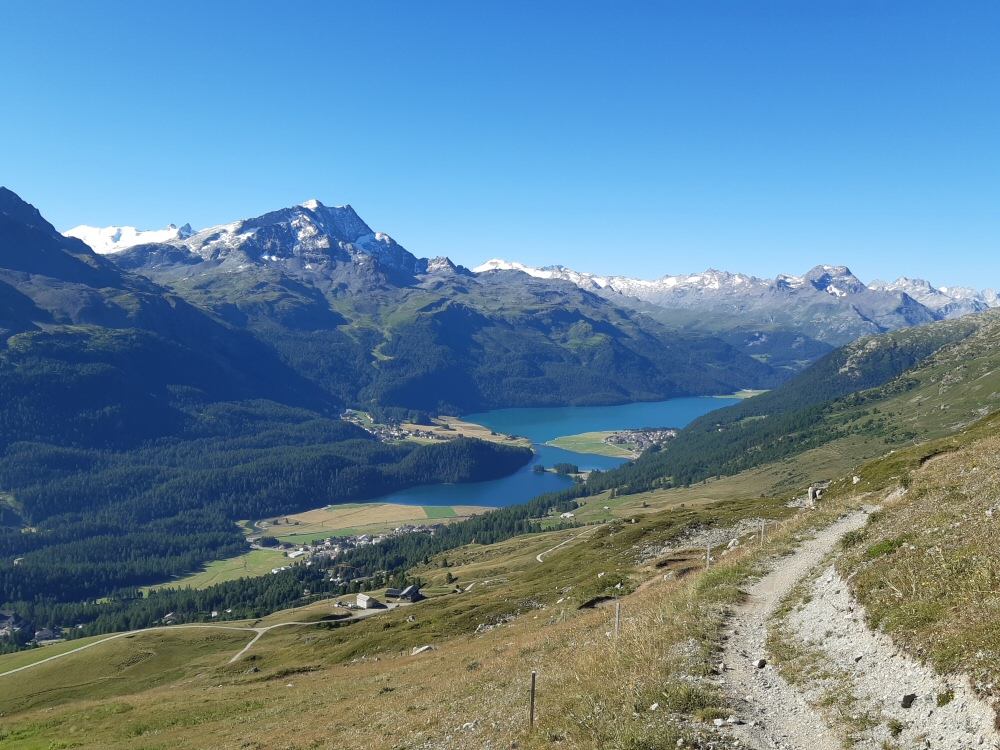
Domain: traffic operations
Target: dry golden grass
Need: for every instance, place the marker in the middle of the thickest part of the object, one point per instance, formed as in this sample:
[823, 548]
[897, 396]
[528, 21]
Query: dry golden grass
[339, 517]
[371, 518]
[465, 511]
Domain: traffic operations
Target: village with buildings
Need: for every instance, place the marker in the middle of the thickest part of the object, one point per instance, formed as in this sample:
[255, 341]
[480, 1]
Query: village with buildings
[642, 439]
[387, 433]
[14, 628]
[392, 432]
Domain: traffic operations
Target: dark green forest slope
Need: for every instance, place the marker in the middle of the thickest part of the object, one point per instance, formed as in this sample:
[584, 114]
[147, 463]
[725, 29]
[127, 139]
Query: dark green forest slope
[374, 326]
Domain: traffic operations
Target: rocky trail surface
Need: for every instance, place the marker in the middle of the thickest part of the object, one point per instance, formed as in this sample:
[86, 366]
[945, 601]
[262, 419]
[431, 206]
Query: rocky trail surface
[864, 680]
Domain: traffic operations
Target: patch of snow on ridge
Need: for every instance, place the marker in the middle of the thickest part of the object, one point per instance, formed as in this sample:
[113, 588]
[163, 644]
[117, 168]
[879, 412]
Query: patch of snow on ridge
[709, 281]
[547, 272]
[792, 281]
[496, 264]
[107, 240]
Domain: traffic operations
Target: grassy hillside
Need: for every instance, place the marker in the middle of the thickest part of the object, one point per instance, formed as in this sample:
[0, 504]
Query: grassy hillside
[318, 684]
[359, 683]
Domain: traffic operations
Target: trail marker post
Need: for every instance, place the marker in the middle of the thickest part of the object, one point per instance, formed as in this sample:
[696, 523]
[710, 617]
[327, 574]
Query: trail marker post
[531, 708]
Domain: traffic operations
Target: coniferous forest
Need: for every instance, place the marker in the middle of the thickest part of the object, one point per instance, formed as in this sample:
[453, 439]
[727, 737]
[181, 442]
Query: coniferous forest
[97, 520]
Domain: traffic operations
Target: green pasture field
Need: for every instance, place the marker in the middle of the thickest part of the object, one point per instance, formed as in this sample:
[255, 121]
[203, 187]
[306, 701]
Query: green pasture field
[255, 563]
[590, 442]
[440, 511]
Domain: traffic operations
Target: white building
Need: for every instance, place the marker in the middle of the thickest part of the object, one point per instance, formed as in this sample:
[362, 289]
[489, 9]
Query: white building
[368, 602]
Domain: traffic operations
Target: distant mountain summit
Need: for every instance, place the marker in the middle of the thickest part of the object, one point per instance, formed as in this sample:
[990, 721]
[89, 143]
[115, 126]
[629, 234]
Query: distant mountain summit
[829, 303]
[307, 240]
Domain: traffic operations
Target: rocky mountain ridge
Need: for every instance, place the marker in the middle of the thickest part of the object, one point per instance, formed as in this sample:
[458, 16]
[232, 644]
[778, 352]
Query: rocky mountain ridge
[309, 241]
[835, 280]
[315, 266]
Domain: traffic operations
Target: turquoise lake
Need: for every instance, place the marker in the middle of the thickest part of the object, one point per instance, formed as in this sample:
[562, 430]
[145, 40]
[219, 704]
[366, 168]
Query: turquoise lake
[545, 424]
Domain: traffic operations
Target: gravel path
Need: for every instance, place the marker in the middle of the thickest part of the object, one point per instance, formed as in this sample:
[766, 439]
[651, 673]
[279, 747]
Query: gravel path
[775, 714]
[876, 673]
[540, 555]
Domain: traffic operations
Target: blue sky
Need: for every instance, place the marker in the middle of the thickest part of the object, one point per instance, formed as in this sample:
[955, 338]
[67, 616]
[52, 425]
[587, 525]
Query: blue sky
[653, 138]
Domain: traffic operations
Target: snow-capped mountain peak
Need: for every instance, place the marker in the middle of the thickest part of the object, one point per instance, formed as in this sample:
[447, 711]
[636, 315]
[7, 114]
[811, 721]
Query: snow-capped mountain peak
[584, 280]
[308, 240]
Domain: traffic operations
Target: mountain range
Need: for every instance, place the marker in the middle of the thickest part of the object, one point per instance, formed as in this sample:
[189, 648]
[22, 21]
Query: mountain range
[828, 304]
[316, 267]
[346, 311]
[373, 325]
[718, 287]
[710, 291]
